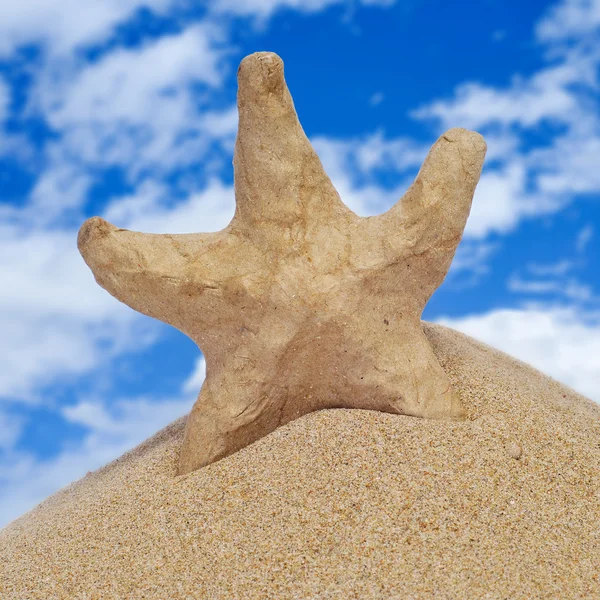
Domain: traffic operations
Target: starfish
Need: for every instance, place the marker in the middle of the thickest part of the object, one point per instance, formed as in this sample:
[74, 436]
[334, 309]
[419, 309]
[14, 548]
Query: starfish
[298, 304]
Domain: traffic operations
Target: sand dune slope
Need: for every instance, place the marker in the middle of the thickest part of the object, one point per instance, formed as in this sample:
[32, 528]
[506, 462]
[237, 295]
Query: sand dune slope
[342, 504]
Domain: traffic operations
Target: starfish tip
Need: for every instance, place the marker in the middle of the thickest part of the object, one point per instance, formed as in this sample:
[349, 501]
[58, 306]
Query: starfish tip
[261, 70]
[93, 229]
[466, 137]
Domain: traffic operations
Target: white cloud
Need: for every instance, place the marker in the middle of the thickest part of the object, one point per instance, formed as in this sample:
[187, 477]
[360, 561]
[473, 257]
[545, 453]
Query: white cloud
[136, 108]
[208, 210]
[584, 237]
[470, 263]
[472, 256]
[266, 8]
[500, 201]
[43, 271]
[561, 342]
[544, 95]
[569, 165]
[501, 143]
[125, 82]
[384, 3]
[562, 267]
[570, 289]
[558, 280]
[221, 124]
[4, 101]
[63, 25]
[570, 18]
[263, 9]
[194, 382]
[125, 416]
[55, 320]
[61, 187]
[375, 152]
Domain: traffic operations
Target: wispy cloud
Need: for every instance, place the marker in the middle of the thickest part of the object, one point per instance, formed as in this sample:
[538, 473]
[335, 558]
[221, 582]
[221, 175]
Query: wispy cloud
[562, 267]
[473, 256]
[139, 108]
[194, 382]
[55, 321]
[569, 19]
[61, 26]
[559, 280]
[570, 289]
[584, 237]
[208, 210]
[377, 98]
[264, 9]
[4, 101]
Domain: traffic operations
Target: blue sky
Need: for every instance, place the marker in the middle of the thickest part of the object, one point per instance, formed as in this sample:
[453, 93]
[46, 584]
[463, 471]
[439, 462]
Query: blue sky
[126, 109]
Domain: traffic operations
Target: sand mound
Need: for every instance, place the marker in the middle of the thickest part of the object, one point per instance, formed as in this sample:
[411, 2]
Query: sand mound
[342, 504]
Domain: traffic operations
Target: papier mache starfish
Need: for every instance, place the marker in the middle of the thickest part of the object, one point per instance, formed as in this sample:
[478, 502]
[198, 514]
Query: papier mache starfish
[298, 304]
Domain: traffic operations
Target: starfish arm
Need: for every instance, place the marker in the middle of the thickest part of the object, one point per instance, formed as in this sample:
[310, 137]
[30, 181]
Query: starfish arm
[160, 275]
[426, 225]
[389, 364]
[436, 206]
[237, 405]
[278, 176]
[416, 383]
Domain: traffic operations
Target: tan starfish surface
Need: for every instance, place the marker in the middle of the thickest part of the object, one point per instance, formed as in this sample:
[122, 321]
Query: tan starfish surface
[298, 304]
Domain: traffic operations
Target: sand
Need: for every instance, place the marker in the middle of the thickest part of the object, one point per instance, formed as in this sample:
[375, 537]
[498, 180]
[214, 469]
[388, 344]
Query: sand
[342, 504]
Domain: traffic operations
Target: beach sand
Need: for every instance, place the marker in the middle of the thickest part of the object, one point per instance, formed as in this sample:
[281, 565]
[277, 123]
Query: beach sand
[342, 504]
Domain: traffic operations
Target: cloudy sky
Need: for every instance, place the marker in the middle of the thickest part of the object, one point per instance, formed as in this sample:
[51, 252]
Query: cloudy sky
[126, 109]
